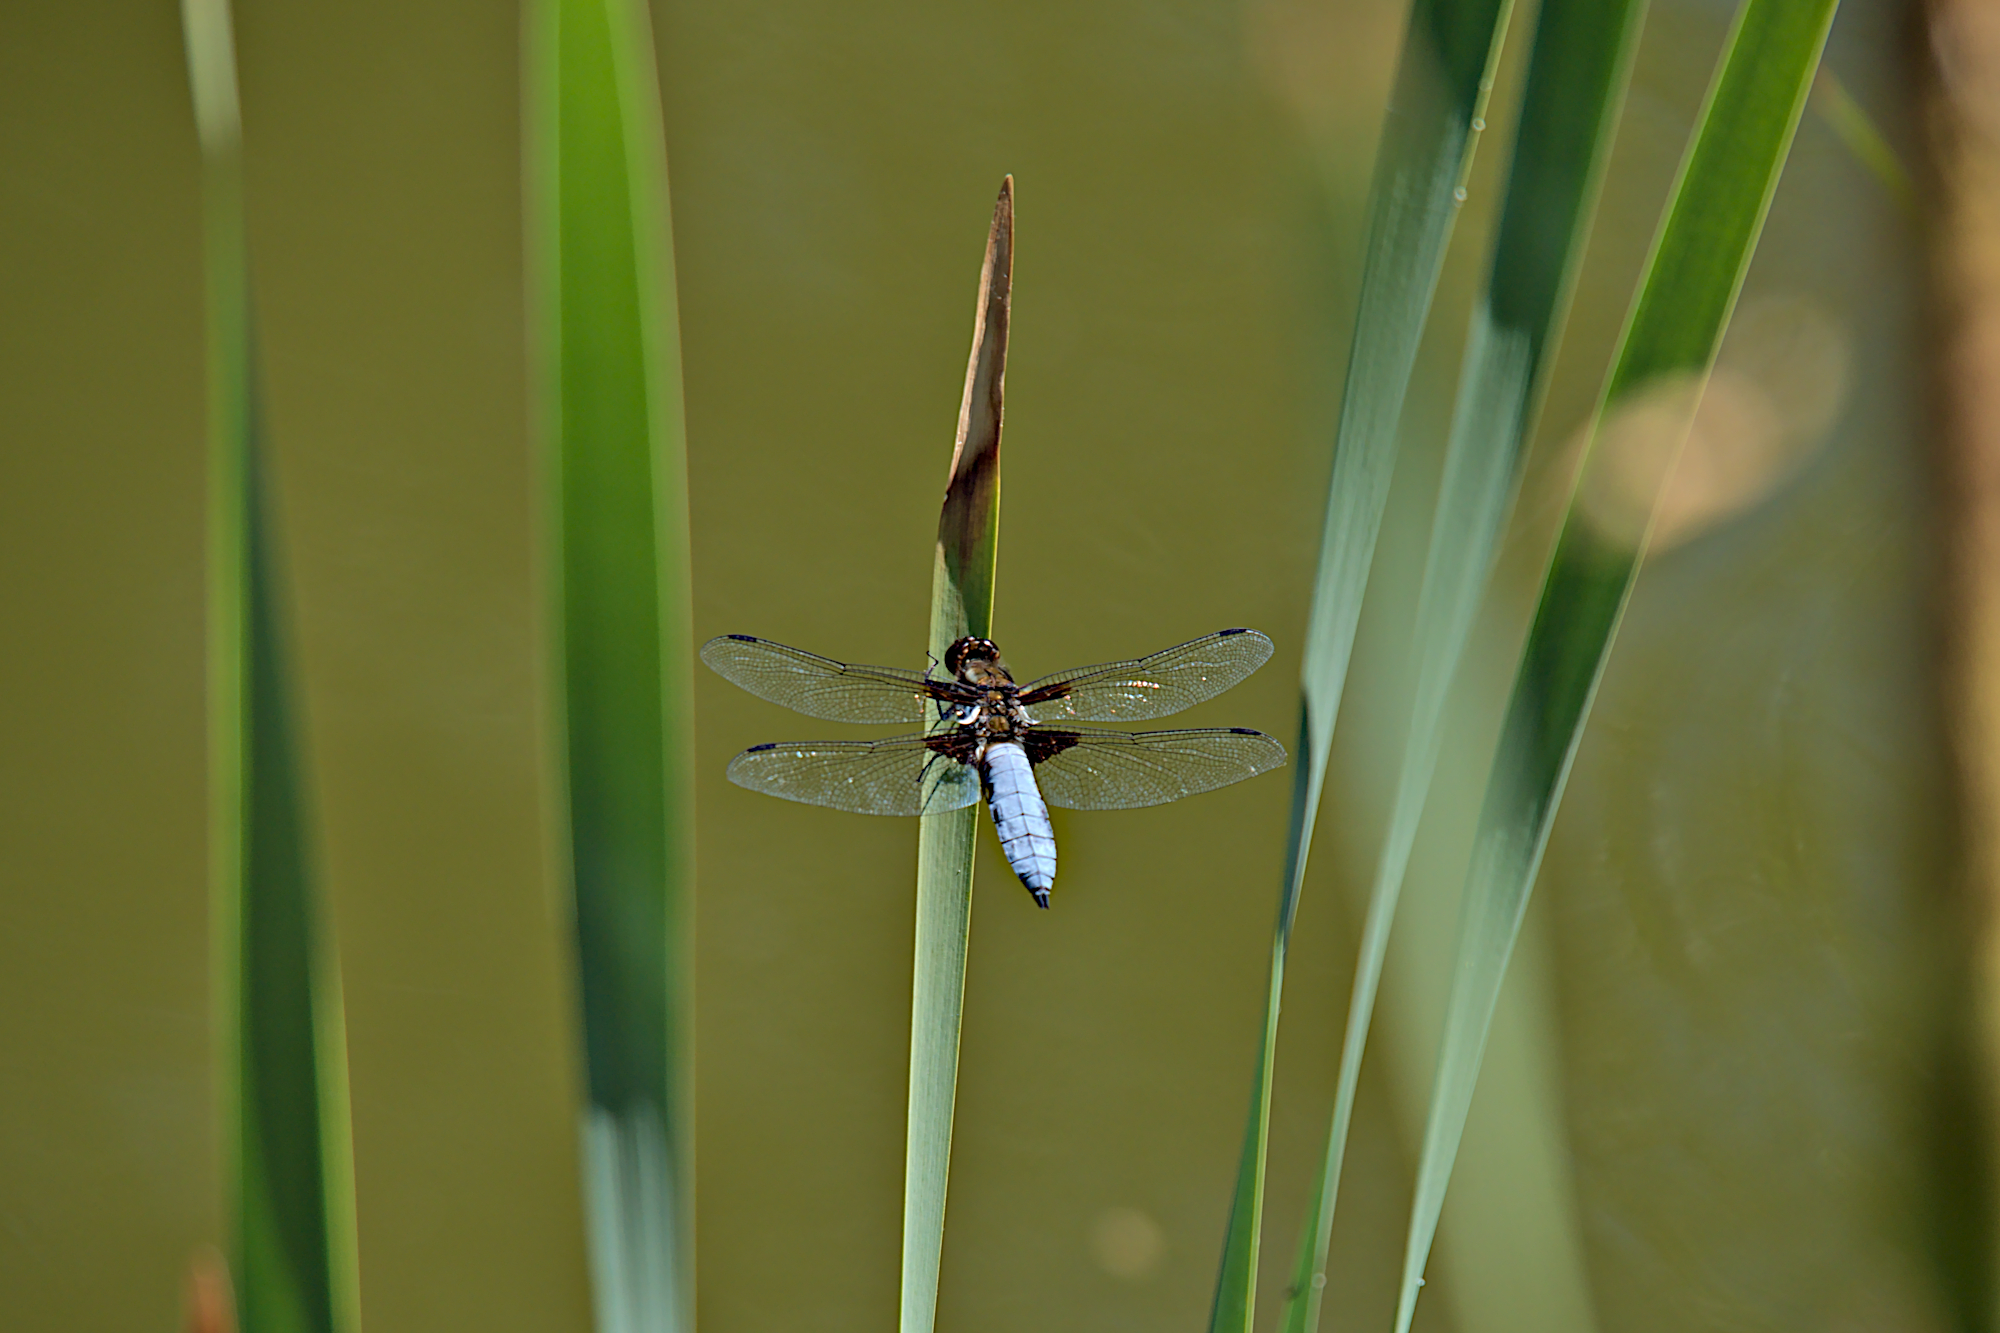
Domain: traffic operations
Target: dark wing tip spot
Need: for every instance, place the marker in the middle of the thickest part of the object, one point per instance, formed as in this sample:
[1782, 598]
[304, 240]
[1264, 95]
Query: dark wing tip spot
[742, 638]
[1227, 632]
[757, 749]
[1246, 731]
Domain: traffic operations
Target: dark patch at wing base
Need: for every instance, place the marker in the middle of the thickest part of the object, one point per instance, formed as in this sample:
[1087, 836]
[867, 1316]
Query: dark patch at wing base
[959, 745]
[1043, 745]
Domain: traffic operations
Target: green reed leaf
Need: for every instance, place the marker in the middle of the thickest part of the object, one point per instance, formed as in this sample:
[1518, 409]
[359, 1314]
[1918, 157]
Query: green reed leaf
[1577, 75]
[618, 554]
[1442, 82]
[1664, 355]
[288, 1159]
[961, 604]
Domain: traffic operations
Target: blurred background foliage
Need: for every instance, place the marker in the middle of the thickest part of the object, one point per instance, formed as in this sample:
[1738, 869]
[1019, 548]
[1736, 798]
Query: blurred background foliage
[1731, 1083]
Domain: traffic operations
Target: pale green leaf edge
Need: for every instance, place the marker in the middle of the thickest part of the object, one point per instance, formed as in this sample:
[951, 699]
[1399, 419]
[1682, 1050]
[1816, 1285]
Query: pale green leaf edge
[657, 1159]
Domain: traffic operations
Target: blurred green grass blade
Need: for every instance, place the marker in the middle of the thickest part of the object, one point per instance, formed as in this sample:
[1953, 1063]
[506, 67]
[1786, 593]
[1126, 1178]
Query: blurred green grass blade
[619, 546]
[1577, 75]
[1442, 82]
[294, 1190]
[1696, 269]
[1859, 134]
[287, 1137]
[961, 604]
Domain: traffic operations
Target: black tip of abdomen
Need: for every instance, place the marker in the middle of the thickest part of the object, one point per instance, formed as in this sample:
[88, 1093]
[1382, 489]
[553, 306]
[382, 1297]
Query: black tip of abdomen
[1041, 898]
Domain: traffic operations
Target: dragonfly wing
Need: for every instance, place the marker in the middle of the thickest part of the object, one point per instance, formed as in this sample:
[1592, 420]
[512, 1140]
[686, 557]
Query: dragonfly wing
[1081, 768]
[904, 775]
[819, 686]
[1155, 686]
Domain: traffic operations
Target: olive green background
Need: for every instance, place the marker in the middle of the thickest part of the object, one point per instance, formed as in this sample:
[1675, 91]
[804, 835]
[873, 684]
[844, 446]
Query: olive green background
[1719, 1093]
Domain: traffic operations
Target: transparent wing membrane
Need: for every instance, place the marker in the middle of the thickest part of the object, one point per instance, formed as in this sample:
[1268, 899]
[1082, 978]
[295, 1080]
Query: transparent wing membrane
[1146, 687]
[899, 776]
[1076, 768]
[1088, 769]
[819, 686]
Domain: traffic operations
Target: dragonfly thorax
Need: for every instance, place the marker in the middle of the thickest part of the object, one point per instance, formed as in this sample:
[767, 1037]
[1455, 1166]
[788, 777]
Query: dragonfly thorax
[976, 662]
[996, 716]
[1000, 718]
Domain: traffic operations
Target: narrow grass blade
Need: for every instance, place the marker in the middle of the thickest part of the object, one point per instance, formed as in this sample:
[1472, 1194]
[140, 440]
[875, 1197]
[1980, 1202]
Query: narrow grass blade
[618, 548]
[1436, 110]
[1577, 75]
[1691, 281]
[1859, 134]
[282, 1047]
[961, 604]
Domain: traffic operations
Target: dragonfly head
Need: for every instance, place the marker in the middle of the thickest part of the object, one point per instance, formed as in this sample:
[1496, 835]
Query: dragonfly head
[975, 661]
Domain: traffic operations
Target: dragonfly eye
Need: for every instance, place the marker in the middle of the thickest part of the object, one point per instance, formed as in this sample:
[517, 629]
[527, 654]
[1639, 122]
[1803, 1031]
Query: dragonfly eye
[969, 650]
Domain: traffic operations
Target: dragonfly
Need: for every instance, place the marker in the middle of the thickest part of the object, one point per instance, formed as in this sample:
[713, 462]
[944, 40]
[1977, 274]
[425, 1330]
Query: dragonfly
[989, 738]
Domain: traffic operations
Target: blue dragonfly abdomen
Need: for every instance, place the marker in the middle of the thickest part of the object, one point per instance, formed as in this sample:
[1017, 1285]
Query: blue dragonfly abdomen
[1021, 818]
